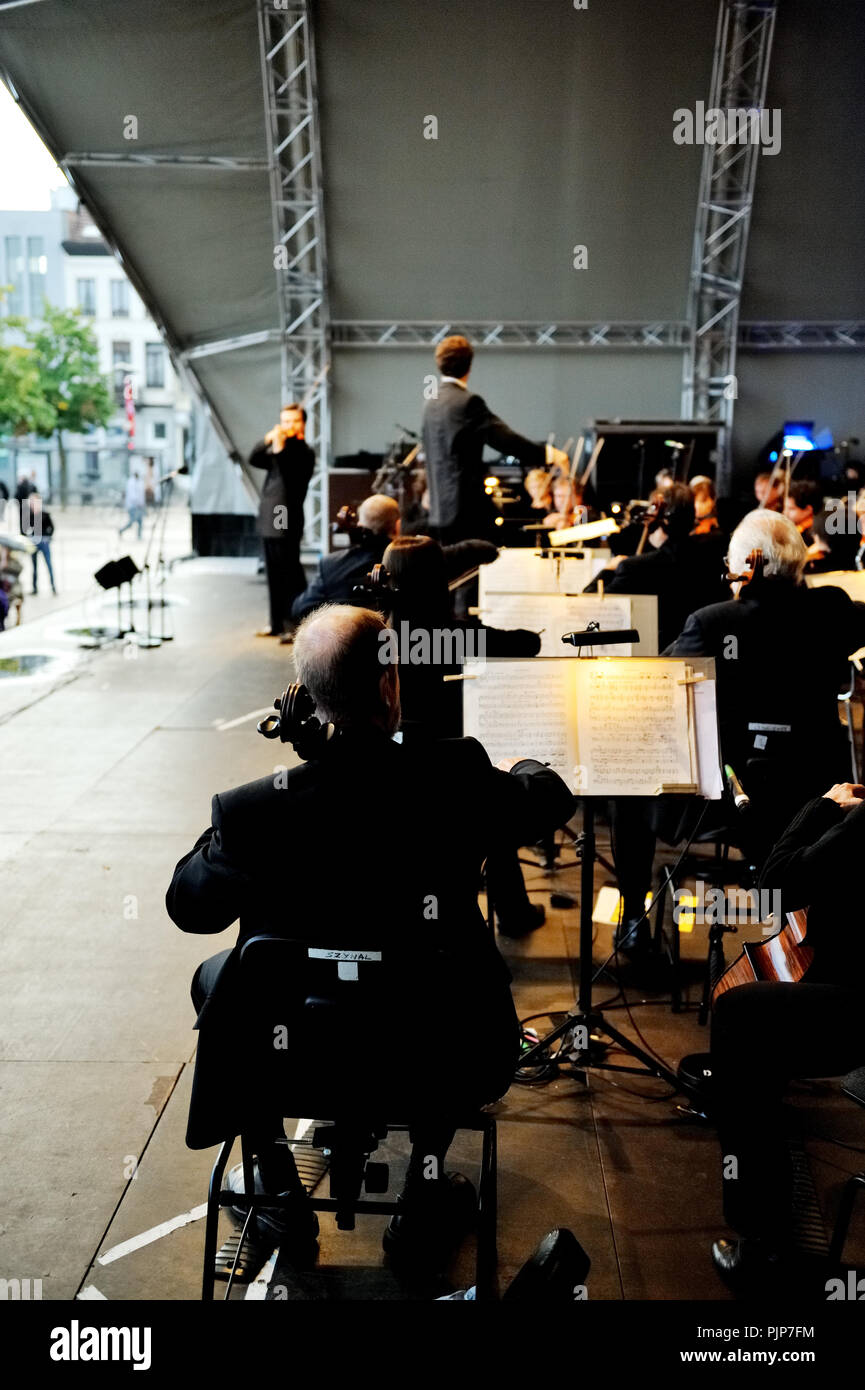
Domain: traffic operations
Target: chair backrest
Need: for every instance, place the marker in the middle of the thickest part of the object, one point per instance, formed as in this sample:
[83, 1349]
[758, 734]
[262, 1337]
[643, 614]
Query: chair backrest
[324, 1024]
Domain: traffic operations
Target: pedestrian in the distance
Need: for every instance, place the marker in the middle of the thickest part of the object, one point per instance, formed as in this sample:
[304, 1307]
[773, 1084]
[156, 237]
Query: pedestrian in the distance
[39, 528]
[134, 503]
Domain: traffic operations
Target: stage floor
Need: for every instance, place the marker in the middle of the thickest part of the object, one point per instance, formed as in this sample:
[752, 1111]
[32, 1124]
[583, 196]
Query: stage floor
[109, 763]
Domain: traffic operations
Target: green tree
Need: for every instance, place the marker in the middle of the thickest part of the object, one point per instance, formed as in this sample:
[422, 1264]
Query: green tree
[66, 357]
[23, 407]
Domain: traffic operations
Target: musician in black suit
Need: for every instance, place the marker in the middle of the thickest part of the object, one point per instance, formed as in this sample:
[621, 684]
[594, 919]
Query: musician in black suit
[684, 571]
[456, 426]
[386, 844]
[289, 463]
[766, 1034]
[337, 576]
[781, 654]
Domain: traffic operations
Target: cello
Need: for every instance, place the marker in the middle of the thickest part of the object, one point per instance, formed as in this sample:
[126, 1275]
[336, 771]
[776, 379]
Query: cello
[783, 958]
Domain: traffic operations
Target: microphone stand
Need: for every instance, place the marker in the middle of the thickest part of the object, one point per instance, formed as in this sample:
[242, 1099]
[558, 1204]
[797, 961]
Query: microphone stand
[584, 1022]
[151, 639]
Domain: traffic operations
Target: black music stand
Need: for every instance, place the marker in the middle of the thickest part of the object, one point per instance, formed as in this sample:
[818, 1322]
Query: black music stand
[584, 1015]
[114, 575]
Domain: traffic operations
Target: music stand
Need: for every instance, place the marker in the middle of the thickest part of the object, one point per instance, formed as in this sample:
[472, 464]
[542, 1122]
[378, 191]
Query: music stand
[114, 575]
[584, 1015]
[160, 516]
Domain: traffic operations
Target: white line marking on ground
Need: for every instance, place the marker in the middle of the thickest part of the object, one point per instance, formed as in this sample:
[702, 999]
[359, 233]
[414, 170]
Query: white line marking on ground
[243, 718]
[257, 1291]
[90, 1292]
[155, 1233]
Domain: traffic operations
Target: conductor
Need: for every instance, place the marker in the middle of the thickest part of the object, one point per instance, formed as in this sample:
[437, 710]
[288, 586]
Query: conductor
[456, 426]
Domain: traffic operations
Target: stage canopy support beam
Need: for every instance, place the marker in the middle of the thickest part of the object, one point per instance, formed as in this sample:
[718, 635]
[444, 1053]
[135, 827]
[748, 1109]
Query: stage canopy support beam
[743, 47]
[290, 85]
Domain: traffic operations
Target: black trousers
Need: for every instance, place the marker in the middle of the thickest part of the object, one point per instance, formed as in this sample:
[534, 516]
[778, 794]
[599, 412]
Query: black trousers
[430, 1141]
[764, 1036]
[638, 822]
[506, 885]
[285, 577]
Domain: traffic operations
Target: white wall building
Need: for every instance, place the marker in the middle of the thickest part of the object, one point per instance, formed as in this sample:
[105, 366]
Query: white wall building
[78, 270]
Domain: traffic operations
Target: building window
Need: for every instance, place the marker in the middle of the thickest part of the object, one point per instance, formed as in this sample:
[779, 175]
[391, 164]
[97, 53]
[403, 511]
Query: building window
[87, 297]
[155, 365]
[14, 275]
[120, 299]
[159, 432]
[37, 268]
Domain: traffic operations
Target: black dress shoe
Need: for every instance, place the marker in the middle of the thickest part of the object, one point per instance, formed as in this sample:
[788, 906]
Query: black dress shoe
[433, 1219]
[748, 1262]
[294, 1225]
[633, 937]
[528, 920]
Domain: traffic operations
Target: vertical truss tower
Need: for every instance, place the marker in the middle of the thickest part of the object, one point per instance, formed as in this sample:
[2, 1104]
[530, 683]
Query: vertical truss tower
[743, 46]
[294, 158]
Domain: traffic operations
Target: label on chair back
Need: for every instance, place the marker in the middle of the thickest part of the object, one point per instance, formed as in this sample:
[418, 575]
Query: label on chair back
[316, 953]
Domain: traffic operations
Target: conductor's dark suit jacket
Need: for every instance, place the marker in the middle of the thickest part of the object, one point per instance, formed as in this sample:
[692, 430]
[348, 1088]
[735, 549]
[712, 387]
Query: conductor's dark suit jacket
[373, 843]
[781, 658]
[456, 426]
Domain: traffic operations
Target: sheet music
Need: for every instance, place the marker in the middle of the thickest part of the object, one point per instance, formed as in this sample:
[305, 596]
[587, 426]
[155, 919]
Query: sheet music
[851, 581]
[522, 709]
[708, 750]
[553, 614]
[524, 571]
[633, 728]
[609, 727]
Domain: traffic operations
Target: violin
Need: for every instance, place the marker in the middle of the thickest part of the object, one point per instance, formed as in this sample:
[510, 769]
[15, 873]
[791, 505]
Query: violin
[651, 519]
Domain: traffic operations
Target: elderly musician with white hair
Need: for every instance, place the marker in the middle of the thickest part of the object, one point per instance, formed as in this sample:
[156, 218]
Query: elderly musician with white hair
[782, 655]
[367, 841]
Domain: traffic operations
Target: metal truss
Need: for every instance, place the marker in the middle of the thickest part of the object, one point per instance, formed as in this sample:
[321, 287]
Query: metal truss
[161, 161]
[751, 336]
[243, 340]
[289, 81]
[387, 333]
[756, 337]
[743, 46]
